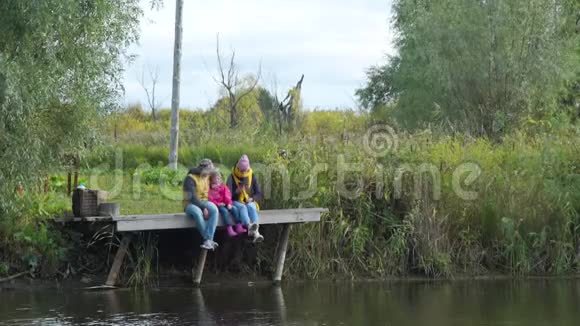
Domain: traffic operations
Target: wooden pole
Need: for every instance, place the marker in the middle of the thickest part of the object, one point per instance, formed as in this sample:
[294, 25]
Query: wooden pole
[199, 268]
[281, 253]
[76, 179]
[174, 135]
[118, 262]
[68, 184]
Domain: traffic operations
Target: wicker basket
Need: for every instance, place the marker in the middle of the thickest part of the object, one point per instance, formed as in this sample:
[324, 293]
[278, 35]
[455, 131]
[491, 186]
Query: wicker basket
[86, 202]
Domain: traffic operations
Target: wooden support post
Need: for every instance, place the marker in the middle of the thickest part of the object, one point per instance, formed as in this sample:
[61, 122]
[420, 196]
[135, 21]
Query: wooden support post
[199, 268]
[76, 179]
[281, 253]
[68, 184]
[118, 262]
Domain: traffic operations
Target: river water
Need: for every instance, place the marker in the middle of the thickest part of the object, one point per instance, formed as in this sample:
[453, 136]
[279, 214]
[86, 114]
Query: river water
[532, 302]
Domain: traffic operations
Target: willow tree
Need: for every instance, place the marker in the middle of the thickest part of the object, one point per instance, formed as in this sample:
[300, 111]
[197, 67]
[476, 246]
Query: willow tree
[477, 66]
[61, 67]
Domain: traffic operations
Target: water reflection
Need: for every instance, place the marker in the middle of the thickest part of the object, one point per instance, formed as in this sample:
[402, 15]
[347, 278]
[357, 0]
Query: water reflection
[460, 303]
[279, 299]
[204, 316]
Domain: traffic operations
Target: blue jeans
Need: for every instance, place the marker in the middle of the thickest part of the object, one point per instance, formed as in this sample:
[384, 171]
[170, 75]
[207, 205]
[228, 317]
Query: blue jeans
[205, 227]
[229, 216]
[248, 213]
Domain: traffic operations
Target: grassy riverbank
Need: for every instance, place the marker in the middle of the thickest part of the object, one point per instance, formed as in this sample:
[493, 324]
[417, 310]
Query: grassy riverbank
[435, 205]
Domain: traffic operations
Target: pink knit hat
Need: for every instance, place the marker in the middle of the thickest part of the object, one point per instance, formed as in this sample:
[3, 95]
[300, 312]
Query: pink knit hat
[244, 163]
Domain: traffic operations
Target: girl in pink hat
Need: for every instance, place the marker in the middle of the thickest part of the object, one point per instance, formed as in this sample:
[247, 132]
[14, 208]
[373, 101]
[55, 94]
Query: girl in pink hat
[245, 191]
[220, 195]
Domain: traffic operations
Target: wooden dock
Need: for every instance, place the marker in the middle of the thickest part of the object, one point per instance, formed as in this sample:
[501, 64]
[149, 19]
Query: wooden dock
[127, 224]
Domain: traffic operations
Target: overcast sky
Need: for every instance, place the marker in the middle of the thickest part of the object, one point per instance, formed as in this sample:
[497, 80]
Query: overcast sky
[331, 41]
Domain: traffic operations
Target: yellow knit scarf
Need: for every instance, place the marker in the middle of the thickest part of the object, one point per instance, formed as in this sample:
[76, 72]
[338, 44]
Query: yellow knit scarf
[237, 175]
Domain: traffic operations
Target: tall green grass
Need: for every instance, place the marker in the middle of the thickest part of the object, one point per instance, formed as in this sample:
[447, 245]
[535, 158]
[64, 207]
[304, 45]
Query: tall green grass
[524, 219]
[129, 157]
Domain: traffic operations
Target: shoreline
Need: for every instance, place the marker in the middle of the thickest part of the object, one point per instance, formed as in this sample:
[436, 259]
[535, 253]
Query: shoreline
[169, 281]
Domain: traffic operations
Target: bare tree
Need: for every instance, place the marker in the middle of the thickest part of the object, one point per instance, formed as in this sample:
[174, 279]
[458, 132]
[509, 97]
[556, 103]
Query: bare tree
[235, 87]
[289, 106]
[174, 137]
[149, 85]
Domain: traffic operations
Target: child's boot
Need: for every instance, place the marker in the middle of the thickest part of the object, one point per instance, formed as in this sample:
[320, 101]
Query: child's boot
[240, 229]
[231, 231]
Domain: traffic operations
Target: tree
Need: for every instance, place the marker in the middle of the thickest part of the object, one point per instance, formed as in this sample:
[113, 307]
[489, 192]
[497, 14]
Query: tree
[290, 106]
[174, 138]
[250, 113]
[478, 66]
[150, 87]
[235, 87]
[268, 104]
[380, 89]
[61, 65]
[571, 94]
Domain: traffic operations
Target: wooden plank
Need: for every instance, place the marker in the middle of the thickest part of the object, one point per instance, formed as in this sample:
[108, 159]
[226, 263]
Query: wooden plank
[265, 213]
[281, 253]
[84, 219]
[118, 262]
[180, 221]
[270, 213]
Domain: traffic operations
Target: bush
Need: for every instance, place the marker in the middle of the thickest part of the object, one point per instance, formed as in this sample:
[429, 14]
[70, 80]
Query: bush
[28, 237]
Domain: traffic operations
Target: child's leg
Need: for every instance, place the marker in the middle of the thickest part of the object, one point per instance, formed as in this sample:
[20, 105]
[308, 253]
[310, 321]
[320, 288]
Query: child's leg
[253, 212]
[228, 221]
[234, 213]
[212, 220]
[242, 212]
[224, 214]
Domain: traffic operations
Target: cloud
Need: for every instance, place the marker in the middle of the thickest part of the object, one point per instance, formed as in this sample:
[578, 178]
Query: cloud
[331, 42]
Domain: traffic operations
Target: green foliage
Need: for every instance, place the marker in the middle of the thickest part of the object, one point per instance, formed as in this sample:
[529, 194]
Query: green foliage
[476, 66]
[249, 112]
[524, 220]
[144, 261]
[337, 124]
[4, 267]
[61, 64]
[157, 175]
[128, 157]
[380, 89]
[268, 104]
[60, 68]
[28, 239]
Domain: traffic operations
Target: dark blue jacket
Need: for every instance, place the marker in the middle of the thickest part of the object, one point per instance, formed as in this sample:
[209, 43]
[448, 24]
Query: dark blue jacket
[255, 191]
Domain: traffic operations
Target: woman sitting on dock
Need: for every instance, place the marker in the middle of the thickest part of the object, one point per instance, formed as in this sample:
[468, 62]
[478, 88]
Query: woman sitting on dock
[245, 191]
[196, 204]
